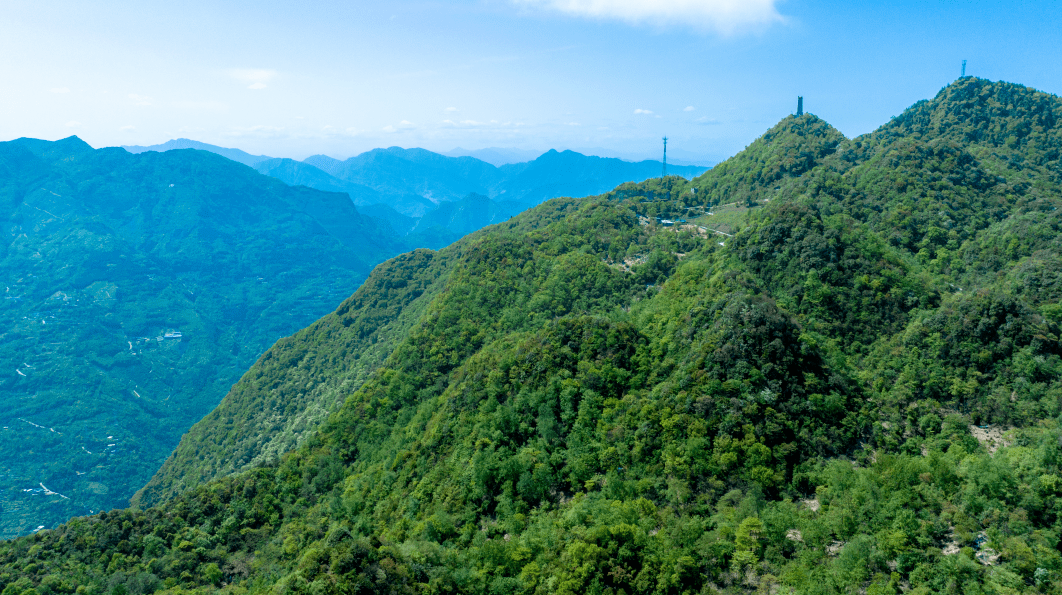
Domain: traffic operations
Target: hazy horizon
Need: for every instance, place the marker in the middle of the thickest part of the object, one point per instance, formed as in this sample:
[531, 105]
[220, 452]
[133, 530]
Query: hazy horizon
[610, 76]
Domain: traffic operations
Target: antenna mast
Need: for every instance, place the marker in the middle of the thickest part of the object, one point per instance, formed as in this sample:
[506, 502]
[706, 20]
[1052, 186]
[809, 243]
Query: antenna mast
[664, 174]
[963, 69]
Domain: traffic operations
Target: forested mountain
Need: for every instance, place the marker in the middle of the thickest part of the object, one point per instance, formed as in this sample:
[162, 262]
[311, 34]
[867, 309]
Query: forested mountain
[856, 389]
[137, 289]
[396, 184]
[184, 143]
[397, 173]
[213, 259]
[495, 156]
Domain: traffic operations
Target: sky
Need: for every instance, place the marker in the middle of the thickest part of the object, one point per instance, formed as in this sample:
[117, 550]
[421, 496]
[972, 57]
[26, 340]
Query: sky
[607, 77]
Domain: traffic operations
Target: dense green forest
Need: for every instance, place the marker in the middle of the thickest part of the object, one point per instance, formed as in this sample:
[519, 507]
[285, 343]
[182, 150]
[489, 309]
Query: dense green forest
[854, 390]
[137, 290]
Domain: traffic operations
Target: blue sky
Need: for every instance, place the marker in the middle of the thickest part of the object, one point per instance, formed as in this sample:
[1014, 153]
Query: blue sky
[293, 79]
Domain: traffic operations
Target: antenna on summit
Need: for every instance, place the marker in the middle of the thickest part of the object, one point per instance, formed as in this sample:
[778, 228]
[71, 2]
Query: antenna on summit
[800, 105]
[963, 69]
[664, 173]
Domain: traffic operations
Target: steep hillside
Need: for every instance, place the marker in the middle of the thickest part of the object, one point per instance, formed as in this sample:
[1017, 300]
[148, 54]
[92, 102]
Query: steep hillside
[259, 419]
[464, 216]
[137, 288]
[296, 173]
[603, 395]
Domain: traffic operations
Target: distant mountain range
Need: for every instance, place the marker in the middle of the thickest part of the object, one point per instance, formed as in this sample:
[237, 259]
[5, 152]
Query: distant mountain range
[495, 156]
[403, 186]
[184, 143]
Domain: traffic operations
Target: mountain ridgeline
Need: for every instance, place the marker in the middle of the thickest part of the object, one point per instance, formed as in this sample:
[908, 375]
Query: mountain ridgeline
[404, 186]
[395, 184]
[855, 388]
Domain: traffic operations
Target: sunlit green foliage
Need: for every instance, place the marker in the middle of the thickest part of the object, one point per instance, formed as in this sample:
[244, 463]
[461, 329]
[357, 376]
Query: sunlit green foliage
[591, 400]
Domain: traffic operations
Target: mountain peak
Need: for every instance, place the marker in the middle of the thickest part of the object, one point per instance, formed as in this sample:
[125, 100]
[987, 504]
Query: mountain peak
[791, 147]
[66, 147]
[982, 112]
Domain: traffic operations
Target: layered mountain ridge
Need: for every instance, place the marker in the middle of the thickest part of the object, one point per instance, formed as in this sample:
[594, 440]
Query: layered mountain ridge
[827, 365]
[397, 183]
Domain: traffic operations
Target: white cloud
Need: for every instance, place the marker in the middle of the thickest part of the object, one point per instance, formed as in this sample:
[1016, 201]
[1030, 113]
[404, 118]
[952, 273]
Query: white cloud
[573, 123]
[140, 99]
[73, 124]
[403, 125]
[60, 90]
[689, 108]
[722, 16]
[255, 78]
[450, 109]
[705, 121]
[642, 111]
[127, 128]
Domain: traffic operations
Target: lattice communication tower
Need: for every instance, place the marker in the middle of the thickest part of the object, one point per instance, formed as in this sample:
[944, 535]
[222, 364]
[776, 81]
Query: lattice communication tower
[663, 174]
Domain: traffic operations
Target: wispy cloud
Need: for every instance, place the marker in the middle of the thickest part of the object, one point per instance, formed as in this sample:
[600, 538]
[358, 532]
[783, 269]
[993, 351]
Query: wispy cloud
[127, 128]
[643, 111]
[254, 78]
[722, 16]
[705, 121]
[689, 108]
[450, 109]
[140, 99]
[60, 90]
[73, 124]
[403, 125]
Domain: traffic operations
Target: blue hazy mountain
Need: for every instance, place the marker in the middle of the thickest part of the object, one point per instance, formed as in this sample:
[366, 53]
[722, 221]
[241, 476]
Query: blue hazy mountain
[569, 173]
[399, 223]
[440, 178]
[402, 171]
[297, 173]
[184, 143]
[495, 156]
[413, 182]
[458, 218]
[303, 173]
